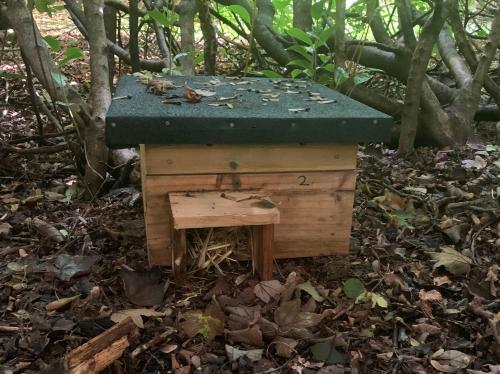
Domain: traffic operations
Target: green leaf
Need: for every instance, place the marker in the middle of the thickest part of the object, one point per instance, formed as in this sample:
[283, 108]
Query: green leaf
[325, 35]
[300, 35]
[242, 12]
[271, 74]
[329, 67]
[302, 63]
[340, 76]
[295, 73]
[353, 287]
[301, 50]
[361, 78]
[72, 53]
[159, 17]
[59, 78]
[375, 298]
[318, 9]
[52, 43]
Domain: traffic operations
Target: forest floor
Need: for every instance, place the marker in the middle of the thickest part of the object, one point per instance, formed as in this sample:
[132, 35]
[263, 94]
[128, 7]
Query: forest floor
[424, 256]
[418, 294]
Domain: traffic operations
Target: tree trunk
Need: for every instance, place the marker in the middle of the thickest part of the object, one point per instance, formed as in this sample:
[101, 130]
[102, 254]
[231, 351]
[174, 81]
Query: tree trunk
[134, 35]
[100, 97]
[416, 76]
[187, 11]
[302, 14]
[209, 36]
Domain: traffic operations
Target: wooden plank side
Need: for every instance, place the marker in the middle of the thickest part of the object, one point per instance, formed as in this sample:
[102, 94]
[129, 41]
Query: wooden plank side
[315, 209]
[227, 158]
[216, 209]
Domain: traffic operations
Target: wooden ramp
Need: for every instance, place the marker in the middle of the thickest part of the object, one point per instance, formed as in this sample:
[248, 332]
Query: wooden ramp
[223, 209]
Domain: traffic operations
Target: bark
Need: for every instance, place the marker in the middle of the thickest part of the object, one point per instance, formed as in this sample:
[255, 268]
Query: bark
[376, 23]
[134, 35]
[100, 97]
[160, 34]
[455, 63]
[187, 11]
[340, 33]
[110, 25]
[302, 14]
[209, 36]
[37, 54]
[416, 76]
[406, 23]
[467, 101]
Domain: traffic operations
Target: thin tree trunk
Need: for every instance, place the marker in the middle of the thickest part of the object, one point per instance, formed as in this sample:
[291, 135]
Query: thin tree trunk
[209, 36]
[110, 25]
[302, 14]
[134, 35]
[416, 76]
[100, 97]
[187, 11]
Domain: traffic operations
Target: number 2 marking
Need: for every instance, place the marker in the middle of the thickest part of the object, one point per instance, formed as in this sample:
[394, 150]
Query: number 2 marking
[302, 181]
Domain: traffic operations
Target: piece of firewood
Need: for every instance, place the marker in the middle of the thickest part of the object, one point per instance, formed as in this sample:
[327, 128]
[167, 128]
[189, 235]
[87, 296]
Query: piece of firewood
[101, 351]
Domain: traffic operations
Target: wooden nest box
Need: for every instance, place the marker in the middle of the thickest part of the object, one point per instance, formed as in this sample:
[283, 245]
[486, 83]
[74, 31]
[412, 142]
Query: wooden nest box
[290, 142]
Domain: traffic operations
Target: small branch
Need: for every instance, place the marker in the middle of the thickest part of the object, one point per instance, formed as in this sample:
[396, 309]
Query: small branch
[34, 151]
[377, 26]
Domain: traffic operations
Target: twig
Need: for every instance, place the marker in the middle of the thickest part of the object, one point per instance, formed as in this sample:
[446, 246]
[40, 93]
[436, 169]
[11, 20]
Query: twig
[475, 308]
[34, 151]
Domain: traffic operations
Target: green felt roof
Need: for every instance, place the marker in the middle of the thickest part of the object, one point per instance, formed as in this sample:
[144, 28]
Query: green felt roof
[260, 110]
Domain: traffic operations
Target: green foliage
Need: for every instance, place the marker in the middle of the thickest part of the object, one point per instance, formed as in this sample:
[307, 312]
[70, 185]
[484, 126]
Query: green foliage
[165, 19]
[72, 53]
[48, 6]
[241, 12]
[353, 288]
[53, 43]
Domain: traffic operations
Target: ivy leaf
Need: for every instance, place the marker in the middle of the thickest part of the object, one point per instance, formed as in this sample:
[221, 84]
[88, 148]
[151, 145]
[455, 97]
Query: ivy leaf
[353, 288]
[72, 53]
[300, 35]
[209, 323]
[52, 43]
[159, 17]
[242, 12]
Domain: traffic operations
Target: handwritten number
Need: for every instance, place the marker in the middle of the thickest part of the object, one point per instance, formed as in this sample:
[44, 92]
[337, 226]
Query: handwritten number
[302, 181]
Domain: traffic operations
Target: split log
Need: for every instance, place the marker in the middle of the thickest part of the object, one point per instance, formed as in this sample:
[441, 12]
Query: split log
[101, 351]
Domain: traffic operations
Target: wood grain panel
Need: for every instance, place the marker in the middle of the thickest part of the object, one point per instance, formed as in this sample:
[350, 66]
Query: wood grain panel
[213, 209]
[227, 158]
[315, 214]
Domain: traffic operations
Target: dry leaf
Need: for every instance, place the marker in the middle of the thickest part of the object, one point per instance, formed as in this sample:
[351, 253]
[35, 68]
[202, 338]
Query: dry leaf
[190, 95]
[5, 229]
[48, 231]
[268, 290]
[159, 86]
[453, 261]
[204, 93]
[135, 315]
[144, 288]
[58, 304]
[233, 353]
[298, 110]
[285, 347]
[251, 336]
[451, 361]
[432, 296]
